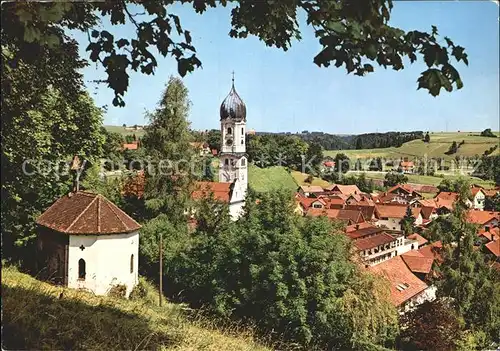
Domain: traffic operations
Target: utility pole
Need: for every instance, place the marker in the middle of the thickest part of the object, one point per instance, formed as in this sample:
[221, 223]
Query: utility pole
[161, 267]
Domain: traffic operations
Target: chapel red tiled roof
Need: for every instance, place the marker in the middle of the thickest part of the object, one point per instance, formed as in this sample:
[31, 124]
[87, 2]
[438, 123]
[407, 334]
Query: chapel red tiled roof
[374, 241]
[86, 213]
[404, 284]
[474, 190]
[221, 191]
[419, 238]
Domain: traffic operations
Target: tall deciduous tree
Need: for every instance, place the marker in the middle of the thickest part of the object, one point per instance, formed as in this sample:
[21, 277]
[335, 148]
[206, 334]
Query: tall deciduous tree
[352, 34]
[166, 141]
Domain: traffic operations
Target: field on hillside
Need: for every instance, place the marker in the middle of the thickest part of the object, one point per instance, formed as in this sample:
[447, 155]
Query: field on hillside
[301, 177]
[40, 316]
[269, 179]
[428, 180]
[438, 145]
[123, 131]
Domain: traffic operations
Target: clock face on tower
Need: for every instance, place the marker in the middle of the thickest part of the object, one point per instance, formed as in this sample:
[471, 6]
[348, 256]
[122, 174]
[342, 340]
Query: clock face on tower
[229, 142]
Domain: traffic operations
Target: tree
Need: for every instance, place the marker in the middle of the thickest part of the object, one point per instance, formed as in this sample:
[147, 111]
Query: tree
[488, 133]
[492, 203]
[393, 178]
[342, 163]
[38, 143]
[453, 148]
[349, 34]
[433, 325]
[289, 273]
[466, 278]
[166, 142]
[407, 222]
[314, 155]
[214, 137]
[427, 138]
[359, 143]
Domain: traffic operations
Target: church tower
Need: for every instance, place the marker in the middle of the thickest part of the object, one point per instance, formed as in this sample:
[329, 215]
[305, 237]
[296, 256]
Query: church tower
[233, 158]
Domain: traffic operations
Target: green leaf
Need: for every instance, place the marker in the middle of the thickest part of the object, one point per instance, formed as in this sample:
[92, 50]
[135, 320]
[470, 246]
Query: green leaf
[31, 34]
[336, 26]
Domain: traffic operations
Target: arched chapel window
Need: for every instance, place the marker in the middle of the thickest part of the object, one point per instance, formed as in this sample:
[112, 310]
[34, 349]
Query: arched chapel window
[81, 269]
[132, 263]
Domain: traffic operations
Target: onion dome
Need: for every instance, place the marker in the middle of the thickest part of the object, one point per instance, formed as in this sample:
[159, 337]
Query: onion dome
[233, 107]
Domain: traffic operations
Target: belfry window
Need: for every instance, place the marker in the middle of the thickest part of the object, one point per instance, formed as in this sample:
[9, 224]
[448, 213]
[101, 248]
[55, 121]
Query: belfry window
[81, 269]
[242, 132]
[226, 162]
[229, 131]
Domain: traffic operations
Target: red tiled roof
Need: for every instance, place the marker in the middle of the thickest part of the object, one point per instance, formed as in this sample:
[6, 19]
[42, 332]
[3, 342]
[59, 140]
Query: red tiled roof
[420, 239]
[391, 211]
[404, 284]
[423, 188]
[344, 189]
[481, 217]
[492, 235]
[367, 211]
[418, 264]
[405, 187]
[346, 215]
[374, 241]
[447, 196]
[474, 190]
[86, 213]
[432, 250]
[405, 164]
[494, 247]
[490, 192]
[329, 164]
[311, 188]
[358, 226]
[132, 146]
[221, 191]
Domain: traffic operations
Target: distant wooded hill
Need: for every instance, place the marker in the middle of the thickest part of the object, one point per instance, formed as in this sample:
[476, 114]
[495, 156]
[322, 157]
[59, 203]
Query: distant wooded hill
[361, 141]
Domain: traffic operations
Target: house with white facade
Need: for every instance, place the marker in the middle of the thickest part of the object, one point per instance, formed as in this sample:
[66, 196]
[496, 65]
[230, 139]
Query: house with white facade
[86, 242]
[478, 198]
[390, 216]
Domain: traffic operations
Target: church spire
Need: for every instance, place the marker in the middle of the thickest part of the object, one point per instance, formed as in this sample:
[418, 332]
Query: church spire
[233, 78]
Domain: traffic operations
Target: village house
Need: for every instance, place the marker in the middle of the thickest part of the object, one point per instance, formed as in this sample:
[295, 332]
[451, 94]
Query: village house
[311, 190]
[390, 216]
[404, 193]
[478, 198]
[348, 216]
[343, 189]
[87, 242]
[421, 241]
[486, 219]
[407, 290]
[407, 167]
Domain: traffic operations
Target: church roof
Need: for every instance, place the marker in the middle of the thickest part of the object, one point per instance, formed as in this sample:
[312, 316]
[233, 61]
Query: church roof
[221, 191]
[233, 107]
[87, 213]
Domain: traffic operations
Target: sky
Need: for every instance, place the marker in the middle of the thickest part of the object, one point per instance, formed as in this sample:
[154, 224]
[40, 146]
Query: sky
[287, 92]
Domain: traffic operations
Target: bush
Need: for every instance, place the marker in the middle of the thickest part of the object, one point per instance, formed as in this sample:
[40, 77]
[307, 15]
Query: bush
[118, 291]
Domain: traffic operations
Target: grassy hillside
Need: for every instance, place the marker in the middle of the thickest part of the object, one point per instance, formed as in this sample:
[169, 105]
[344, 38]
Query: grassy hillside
[268, 179]
[438, 145]
[301, 177]
[123, 131]
[36, 317]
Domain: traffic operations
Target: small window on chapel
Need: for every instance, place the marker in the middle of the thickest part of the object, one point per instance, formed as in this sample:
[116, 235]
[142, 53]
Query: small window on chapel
[81, 269]
[132, 263]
